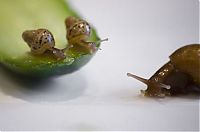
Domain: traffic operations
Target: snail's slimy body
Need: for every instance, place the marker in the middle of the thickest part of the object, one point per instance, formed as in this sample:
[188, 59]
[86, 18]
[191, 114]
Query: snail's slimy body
[180, 75]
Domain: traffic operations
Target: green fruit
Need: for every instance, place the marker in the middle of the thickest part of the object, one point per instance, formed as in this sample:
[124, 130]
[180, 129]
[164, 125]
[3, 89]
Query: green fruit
[20, 15]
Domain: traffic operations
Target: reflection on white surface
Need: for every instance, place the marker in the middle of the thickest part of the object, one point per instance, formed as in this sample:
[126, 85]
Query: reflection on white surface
[142, 34]
[49, 90]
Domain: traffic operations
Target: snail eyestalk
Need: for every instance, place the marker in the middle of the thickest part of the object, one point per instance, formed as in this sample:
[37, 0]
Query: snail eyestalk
[99, 41]
[145, 81]
[148, 82]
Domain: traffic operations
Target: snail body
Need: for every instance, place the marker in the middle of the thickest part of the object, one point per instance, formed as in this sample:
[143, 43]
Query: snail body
[41, 41]
[181, 75]
[78, 32]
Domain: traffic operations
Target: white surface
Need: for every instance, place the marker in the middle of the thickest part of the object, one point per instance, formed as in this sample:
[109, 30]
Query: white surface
[142, 34]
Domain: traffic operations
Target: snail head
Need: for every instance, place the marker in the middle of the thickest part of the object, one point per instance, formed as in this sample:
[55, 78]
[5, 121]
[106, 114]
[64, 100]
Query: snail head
[153, 88]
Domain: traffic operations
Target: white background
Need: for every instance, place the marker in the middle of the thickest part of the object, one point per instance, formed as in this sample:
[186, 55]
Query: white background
[142, 34]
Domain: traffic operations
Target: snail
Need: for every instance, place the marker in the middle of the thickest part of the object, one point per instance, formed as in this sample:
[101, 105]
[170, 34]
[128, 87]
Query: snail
[78, 32]
[181, 75]
[41, 41]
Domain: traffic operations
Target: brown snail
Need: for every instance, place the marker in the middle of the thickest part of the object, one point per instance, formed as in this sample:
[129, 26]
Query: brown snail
[41, 41]
[181, 75]
[78, 32]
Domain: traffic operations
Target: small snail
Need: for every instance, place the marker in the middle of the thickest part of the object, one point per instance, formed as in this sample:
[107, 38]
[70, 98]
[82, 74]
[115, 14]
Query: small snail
[181, 75]
[78, 32]
[41, 41]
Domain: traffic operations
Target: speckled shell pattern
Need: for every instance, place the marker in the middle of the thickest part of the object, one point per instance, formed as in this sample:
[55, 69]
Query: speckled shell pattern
[79, 28]
[43, 38]
[39, 40]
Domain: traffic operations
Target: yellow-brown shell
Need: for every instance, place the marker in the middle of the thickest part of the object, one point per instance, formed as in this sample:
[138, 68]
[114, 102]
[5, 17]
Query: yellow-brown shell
[39, 40]
[187, 60]
[77, 29]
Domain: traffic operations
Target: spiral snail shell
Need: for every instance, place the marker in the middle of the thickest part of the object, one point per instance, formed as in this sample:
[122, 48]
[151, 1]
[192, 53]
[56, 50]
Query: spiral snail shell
[78, 32]
[41, 41]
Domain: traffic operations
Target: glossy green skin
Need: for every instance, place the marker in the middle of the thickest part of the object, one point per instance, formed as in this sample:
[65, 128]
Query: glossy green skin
[20, 15]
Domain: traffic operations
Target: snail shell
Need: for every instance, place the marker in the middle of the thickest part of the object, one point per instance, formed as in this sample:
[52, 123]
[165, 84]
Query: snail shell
[78, 32]
[187, 60]
[41, 41]
[77, 29]
[181, 75]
